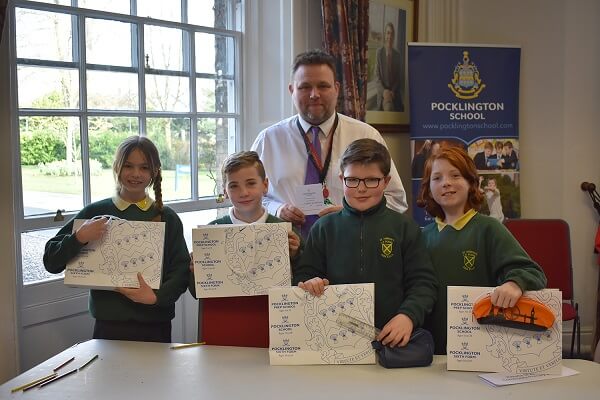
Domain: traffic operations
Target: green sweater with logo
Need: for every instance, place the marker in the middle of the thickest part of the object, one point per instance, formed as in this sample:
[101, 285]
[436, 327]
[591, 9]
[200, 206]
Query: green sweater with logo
[482, 253]
[113, 306]
[377, 245]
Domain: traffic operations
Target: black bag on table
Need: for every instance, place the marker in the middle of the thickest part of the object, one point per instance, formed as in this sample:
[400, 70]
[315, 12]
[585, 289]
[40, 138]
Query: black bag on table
[417, 353]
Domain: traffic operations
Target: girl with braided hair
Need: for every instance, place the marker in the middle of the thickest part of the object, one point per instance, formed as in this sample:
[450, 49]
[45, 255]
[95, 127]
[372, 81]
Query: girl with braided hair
[141, 314]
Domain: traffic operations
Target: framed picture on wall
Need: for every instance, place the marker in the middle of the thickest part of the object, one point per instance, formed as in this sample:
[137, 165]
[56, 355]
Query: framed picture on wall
[392, 24]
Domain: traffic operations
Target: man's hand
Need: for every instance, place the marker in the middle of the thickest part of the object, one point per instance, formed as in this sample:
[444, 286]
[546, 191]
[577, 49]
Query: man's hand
[314, 286]
[92, 229]
[143, 295]
[288, 212]
[397, 331]
[329, 209]
[506, 295]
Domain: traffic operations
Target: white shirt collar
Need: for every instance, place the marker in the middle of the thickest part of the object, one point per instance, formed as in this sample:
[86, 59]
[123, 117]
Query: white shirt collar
[122, 205]
[261, 220]
[325, 126]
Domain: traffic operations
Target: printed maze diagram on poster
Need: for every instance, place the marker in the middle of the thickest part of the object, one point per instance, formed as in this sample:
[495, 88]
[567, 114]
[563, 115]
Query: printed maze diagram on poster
[127, 248]
[336, 344]
[257, 257]
[520, 350]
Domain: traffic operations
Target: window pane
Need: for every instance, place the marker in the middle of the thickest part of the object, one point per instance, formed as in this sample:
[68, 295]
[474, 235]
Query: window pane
[109, 42]
[160, 9]
[44, 35]
[48, 88]
[172, 138]
[215, 95]
[217, 14]
[112, 90]
[216, 140]
[50, 164]
[116, 6]
[167, 93]
[105, 135]
[201, 13]
[32, 253]
[215, 54]
[164, 48]
[61, 2]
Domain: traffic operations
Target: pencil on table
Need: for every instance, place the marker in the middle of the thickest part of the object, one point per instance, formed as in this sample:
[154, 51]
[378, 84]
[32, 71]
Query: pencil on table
[89, 362]
[49, 377]
[63, 364]
[34, 383]
[58, 377]
[183, 346]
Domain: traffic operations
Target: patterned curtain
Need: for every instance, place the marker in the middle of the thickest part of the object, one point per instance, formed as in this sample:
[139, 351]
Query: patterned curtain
[345, 33]
[3, 4]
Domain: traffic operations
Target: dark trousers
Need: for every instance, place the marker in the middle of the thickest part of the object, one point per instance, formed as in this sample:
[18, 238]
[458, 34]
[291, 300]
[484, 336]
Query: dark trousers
[133, 330]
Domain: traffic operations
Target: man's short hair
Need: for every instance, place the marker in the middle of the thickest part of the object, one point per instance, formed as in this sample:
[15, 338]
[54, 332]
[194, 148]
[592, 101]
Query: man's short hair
[488, 145]
[367, 151]
[314, 57]
[242, 159]
[508, 144]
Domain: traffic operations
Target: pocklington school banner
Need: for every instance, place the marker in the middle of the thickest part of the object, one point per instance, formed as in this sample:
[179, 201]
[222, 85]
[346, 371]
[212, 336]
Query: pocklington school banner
[468, 96]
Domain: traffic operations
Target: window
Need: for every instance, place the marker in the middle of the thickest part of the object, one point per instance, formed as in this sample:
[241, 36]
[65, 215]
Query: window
[91, 72]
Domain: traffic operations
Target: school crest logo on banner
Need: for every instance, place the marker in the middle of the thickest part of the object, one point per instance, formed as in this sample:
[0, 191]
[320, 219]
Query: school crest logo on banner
[469, 260]
[466, 82]
[387, 247]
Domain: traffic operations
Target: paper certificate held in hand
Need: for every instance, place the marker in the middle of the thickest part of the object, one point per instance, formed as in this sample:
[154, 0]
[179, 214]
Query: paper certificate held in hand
[128, 247]
[305, 329]
[309, 198]
[513, 341]
[240, 260]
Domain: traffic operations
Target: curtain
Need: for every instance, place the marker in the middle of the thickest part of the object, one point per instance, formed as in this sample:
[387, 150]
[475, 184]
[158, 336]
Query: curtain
[3, 4]
[345, 34]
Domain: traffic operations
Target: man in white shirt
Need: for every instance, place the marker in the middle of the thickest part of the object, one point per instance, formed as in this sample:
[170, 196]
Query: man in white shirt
[287, 150]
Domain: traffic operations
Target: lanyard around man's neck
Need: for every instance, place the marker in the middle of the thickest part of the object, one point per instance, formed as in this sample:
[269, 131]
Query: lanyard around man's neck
[312, 151]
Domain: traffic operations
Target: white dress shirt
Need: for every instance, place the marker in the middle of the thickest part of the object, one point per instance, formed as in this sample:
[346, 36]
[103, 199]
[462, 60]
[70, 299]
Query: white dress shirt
[283, 152]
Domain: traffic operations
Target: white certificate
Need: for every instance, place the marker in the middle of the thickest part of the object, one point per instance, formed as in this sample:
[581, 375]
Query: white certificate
[493, 348]
[309, 198]
[240, 260]
[304, 329]
[128, 247]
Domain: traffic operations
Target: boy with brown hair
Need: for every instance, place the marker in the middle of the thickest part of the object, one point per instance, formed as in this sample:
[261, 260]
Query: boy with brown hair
[368, 242]
[244, 183]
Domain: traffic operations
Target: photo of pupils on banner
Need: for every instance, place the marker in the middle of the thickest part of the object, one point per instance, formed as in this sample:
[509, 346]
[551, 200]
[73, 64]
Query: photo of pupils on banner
[493, 154]
[497, 162]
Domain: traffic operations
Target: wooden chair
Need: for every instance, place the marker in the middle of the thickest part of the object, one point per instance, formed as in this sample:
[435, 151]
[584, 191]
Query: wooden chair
[548, 242]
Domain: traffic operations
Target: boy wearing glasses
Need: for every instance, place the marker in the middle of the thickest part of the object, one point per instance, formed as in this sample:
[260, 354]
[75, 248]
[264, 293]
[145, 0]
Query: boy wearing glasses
[368, 242]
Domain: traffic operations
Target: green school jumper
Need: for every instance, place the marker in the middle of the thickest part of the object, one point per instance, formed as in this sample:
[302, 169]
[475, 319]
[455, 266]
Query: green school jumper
[377, 245]
[482, 252]
[110, 305]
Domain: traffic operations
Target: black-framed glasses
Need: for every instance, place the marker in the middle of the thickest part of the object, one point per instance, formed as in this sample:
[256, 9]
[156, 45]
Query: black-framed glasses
[370, 183]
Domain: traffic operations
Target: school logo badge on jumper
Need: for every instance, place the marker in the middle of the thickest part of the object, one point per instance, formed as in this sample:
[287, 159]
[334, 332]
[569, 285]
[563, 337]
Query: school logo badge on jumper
[466, 83]
[387, 247]
[469, 260]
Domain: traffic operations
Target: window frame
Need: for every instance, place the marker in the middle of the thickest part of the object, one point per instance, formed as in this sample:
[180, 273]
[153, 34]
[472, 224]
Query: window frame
[31, 223]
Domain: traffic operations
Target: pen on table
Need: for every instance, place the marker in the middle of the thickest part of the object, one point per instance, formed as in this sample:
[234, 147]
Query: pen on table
[34, 383]
[63, 364]
[183, 346]
[89, 362]
[58, 377]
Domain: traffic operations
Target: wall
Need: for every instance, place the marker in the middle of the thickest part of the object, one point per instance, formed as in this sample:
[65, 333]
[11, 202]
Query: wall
[8, 326]
[559, 118]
